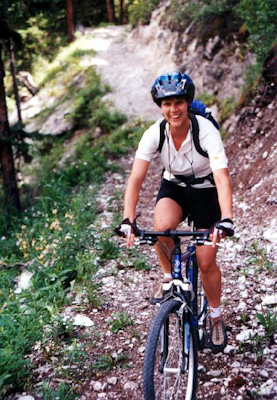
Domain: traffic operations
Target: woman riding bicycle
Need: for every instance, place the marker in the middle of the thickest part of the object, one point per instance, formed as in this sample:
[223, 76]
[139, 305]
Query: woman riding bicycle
[206, 201]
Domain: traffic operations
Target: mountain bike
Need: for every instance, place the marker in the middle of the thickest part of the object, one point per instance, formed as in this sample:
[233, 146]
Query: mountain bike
[178, 329]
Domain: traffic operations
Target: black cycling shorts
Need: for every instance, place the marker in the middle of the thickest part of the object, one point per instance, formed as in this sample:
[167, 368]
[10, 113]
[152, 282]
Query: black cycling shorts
[199, 205]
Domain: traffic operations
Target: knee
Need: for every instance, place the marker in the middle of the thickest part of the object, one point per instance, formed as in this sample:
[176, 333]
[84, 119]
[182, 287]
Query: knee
[162, 222]
[160, 225]
[207, 266]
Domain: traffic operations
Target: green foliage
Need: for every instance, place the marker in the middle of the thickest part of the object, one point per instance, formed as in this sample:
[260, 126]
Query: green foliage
[260, 17]
[38, 41]
[177, 16]
[87, 99]
[42, 24]
[140, 264]
[107, 120]
[18, 331]
[251, 78]
[227, 107]
[63, 392]
[258, 257]
[208, 99]
[208, 10]
[77, 354]
[124, 138]
[244, 317]
[108, 248]
[257, 345]
[120, 321]
[56, 240]
[107, 362]
[139, 11]
[59, 329]
[212, 16]
[269, 321]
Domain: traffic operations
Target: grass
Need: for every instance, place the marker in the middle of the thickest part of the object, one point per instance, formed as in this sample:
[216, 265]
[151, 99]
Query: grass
[269, 321]
[120, 321]
[258, 257]
[107, 362]
[63, 392]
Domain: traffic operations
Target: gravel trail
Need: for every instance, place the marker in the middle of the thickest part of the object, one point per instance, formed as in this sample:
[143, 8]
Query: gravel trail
[246, 369]
[123, 66]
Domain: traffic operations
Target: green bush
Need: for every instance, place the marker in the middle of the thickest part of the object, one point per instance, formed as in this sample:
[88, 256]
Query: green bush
[251, 82]
[227, 107]
[40, 38]
[107, 120]
[210, 9]
[55, 239]
[208, 99]
[260, 17]
[212, 16]
[63, 392]
[139, 11]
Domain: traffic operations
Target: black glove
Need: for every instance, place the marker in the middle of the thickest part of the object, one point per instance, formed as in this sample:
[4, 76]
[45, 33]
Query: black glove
[224, 225]
[126, 228]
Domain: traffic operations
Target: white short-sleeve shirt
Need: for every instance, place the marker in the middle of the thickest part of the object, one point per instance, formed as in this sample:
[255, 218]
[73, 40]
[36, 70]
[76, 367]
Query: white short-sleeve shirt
[186, 161]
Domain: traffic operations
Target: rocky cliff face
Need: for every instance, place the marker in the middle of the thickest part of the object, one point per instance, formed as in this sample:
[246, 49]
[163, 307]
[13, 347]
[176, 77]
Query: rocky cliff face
[217, 67]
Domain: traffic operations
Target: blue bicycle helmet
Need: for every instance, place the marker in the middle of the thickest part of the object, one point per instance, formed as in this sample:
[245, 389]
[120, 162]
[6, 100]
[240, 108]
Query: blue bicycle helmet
[172, 84]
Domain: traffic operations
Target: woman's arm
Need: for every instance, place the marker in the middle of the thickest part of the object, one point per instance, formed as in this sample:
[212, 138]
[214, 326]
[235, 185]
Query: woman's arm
[224, 190]
[135, 181]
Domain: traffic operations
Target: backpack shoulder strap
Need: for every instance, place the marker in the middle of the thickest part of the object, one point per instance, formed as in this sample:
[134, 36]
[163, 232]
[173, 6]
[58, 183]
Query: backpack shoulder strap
[162, 135]
[195, 135]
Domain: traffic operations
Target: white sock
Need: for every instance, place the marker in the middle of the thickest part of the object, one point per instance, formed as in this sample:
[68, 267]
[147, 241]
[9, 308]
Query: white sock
[167, 276]
[215, 312]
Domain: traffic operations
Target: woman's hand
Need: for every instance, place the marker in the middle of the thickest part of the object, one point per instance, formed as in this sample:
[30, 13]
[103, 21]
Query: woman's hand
[128, 230]
[221, 229]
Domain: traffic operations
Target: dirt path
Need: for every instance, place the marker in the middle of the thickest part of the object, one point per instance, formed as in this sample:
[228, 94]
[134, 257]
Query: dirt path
[246, 369]
[128, 74]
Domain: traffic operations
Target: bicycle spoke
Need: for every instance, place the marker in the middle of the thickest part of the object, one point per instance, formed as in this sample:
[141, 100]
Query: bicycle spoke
[173, 381]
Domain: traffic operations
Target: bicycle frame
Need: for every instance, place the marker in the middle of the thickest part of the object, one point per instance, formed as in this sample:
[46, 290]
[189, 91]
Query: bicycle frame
[191, 274]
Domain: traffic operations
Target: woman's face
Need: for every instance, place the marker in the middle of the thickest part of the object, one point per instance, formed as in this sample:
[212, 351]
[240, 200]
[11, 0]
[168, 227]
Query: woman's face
[175, 111]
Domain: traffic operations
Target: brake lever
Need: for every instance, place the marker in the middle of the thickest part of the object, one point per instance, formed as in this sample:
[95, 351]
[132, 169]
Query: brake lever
[207, 243]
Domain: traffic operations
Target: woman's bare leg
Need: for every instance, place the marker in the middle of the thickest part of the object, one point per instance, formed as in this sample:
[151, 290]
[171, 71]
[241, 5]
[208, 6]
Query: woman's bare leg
[210, 274]
[168, 215]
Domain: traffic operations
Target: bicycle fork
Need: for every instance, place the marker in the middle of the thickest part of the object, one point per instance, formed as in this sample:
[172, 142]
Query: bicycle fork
[186, 346]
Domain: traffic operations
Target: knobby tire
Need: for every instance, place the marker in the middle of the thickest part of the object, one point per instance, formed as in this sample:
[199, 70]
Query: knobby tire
[165, 348]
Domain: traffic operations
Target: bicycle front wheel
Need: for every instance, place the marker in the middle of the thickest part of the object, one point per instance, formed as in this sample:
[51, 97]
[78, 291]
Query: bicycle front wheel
[170, 362]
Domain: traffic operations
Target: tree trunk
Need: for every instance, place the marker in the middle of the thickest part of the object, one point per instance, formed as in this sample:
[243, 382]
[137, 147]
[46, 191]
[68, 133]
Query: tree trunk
[110, 10]
[69, 19]
[122, 12]
[15, 85]
[10, 188]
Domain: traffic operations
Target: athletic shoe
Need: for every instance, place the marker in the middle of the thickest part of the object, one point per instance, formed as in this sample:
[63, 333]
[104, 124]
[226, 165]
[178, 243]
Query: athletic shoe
[218, 336]
[161, 291]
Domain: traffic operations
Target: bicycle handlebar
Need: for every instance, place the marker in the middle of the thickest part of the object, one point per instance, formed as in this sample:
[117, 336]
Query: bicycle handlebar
[144, 236]
[170, 233]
